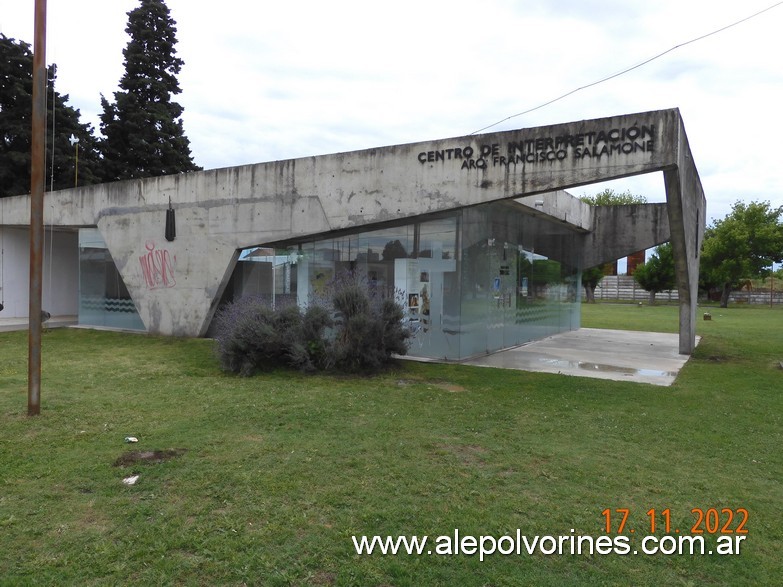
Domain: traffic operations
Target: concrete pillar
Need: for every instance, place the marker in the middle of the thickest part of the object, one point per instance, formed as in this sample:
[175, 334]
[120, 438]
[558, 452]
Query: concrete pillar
[687, 212]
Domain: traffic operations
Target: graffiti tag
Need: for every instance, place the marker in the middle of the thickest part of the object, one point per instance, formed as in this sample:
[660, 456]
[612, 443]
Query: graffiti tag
[157, 268]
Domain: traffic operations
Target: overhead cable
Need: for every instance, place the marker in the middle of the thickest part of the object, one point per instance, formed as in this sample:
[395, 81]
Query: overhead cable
[624, 71]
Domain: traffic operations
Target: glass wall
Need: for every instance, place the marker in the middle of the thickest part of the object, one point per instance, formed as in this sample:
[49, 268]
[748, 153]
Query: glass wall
[103, 298]
[520, 278]
[472, 282]
[267, 273]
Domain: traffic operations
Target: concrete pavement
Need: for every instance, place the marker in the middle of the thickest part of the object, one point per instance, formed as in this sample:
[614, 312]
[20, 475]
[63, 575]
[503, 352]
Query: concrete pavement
[9, 324]
[619, 355]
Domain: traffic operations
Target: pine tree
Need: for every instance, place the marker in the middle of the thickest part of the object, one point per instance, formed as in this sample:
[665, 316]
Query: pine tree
[16, 110]
[143, 131]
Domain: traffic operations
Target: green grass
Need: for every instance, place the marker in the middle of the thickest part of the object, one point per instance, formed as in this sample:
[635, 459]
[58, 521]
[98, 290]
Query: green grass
[658, 318]
[280, 470]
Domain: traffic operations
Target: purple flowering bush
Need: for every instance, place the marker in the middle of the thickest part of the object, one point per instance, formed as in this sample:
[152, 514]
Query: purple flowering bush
[349, 327]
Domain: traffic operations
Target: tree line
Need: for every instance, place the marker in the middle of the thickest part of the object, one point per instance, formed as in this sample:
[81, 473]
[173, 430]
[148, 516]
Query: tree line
[141, 135]
[141, 131]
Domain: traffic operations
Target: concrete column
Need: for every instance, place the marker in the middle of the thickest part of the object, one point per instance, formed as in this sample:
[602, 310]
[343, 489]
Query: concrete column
[687, 213]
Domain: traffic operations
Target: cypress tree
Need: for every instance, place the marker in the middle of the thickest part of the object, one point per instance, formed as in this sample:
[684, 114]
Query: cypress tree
[142, 129]
[16, 111]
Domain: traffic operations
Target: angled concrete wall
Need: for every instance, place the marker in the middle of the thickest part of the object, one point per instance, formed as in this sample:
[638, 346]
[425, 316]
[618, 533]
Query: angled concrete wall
[176, 285]
[618, 231]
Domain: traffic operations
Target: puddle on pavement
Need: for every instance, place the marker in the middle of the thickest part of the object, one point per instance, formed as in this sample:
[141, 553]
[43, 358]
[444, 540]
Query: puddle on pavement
[630, 371]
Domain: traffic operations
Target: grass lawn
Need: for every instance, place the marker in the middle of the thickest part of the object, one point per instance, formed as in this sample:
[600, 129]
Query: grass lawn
[270, 477]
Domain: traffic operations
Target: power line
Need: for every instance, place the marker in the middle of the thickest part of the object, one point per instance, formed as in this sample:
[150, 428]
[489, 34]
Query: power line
[624, 71]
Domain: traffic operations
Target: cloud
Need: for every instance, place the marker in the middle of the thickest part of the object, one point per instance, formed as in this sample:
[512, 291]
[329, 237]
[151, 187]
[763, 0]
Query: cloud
[267, 81]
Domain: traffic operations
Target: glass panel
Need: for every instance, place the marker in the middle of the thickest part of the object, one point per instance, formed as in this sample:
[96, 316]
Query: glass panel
[483, 279]
[103, 298]
[519, 274]
[431, 287]
[476, 294]
[265, 272]
[509, 278]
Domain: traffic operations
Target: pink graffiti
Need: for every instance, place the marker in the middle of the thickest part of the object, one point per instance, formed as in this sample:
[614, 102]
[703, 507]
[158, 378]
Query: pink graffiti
[157, 267]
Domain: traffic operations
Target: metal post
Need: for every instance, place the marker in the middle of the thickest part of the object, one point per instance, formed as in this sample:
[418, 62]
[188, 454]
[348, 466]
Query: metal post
[74, 140]
[37, 179]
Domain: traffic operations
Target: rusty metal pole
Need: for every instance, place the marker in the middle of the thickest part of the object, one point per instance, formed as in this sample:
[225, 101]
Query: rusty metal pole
[37, 179]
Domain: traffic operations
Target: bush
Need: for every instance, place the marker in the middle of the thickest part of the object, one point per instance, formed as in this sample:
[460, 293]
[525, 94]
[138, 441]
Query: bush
[349, 328]
[315, 322]
[251, 336]
[368, 326]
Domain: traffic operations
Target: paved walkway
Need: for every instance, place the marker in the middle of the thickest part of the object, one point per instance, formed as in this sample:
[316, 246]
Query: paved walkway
[8, 324]
[620, 355]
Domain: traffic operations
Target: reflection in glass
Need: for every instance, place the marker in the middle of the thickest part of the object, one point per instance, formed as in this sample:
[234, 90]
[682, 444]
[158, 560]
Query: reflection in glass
[103, 298]
[471, 282]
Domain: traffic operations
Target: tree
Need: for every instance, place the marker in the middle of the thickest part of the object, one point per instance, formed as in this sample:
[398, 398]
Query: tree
[657, 273]
[608, 197]
[142, 129]
[394, 250]
[590, 279]
[16, 111]
[743, 245]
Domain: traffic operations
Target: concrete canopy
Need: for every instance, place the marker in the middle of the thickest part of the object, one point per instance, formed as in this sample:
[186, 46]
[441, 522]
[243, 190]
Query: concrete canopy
[177, 285]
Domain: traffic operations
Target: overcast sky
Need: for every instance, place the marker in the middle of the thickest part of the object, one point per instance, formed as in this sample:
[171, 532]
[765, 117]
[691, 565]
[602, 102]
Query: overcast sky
[264, 81]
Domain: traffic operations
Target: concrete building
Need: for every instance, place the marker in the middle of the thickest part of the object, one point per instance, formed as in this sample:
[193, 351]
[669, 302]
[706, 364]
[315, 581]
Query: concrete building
[476, 233]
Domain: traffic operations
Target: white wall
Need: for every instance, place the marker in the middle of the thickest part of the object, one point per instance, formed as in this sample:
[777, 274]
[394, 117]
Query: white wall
[60, 273]
[15, 244]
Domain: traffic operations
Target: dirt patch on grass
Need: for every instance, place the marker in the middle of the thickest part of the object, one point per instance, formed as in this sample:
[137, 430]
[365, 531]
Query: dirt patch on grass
[323, 578]
[467, 454]
[407, 382]
[450, 387]
[440, 384]
[135, 457]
